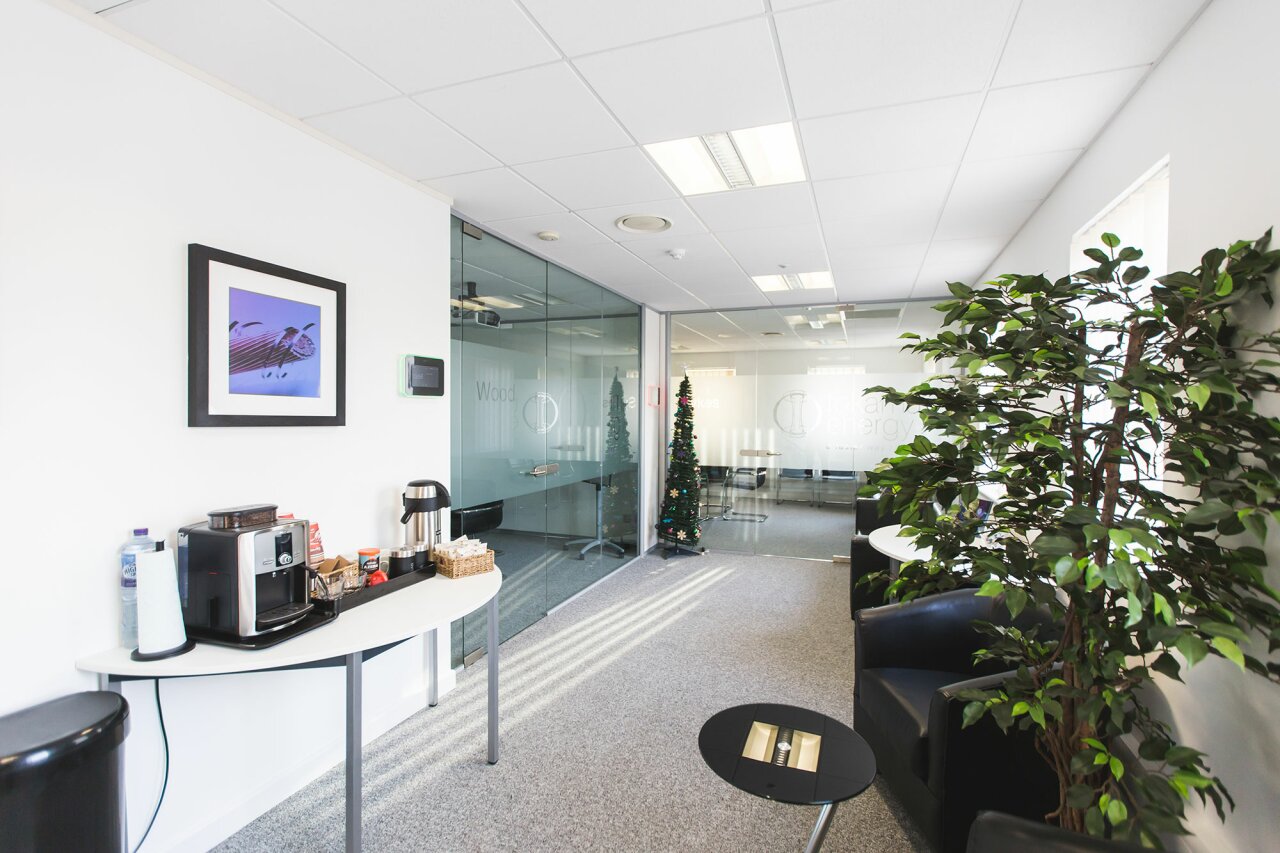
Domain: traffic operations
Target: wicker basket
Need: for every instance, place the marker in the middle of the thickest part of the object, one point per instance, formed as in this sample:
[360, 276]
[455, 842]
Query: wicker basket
[462, 567]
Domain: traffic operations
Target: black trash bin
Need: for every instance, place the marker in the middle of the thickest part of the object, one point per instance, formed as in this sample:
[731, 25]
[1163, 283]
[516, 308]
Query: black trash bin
[62, 775]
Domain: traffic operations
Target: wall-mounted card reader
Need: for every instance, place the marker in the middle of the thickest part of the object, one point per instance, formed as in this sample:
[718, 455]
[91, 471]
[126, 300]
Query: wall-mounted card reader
[423, 376]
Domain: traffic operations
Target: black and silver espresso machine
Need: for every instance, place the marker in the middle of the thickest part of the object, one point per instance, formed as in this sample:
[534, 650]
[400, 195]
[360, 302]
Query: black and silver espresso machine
[424, 503]
[242, 576]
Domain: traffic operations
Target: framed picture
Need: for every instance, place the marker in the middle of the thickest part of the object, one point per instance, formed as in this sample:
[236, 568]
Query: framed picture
[266, 344]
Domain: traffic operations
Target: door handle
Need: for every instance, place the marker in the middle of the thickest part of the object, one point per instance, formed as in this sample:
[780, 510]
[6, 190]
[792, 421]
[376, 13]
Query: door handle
[544, 470]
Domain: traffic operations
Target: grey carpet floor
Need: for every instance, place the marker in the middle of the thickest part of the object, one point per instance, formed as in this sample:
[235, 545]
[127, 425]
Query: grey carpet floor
[602, 702]
[792, 529]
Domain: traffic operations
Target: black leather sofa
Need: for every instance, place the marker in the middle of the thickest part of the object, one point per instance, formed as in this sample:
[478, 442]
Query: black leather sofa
[996, 832]
[863, 559]
[910, 662]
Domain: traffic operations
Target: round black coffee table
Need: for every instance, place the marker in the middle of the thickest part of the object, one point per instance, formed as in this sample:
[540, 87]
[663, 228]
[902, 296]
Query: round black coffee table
[791, 755]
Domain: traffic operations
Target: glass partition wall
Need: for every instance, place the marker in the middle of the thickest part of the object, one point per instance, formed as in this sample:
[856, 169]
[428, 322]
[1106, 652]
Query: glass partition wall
[786, 429]
[545, 387]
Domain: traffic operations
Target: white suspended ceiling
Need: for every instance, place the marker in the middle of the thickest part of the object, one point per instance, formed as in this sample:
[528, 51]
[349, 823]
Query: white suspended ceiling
[930, 129]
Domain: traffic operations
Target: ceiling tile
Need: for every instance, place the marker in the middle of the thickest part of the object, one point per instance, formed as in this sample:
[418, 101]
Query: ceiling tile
[955, 260]
[495, 194]
[763, 251]
[620, 176]
[417, 45]
[682, 219]
[993, 198]
[402, 135]
[706, 268]
[799, 297]
[1052, 39]
[257, 48]
[853, 259]
[975, 218]
[535, 114]
[1053, 116]
[894, 208]
[96, 5]
[890, 283]
[1031, 176]
[572, 230]
[613, 266]
[587, 26]
[890, 139]
[871, 53]
[724, 78]
[757, 207]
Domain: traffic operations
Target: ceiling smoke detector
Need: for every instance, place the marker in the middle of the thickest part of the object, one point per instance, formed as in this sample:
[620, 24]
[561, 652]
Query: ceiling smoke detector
[676, 254]
[549, 236]
[642, 223]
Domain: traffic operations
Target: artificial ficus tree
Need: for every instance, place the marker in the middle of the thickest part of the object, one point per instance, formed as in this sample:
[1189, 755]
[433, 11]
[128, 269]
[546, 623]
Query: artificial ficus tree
[1118, 420]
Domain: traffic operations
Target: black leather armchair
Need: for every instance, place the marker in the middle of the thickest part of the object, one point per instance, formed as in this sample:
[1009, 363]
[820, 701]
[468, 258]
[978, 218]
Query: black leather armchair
[995, 832]
[863, 559]
[910, 663]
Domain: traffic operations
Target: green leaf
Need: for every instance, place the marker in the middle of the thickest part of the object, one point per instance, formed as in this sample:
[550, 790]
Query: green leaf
[1094, 823]
[1020, 708]
[972, 713]
[1079, 796]
[1162, 608]
[1054, 546]
[1110, 240]
[1229, 650]
[1066, 570]
[1117, 768]
[1135, 611]
[991, 588]
[1016, 599]
[1208, 512]
[1117, 813]
[1120, 537]
[1192, 648]
[1225, 284]
[1198, 394]
[1036, 712]
[1149, 405]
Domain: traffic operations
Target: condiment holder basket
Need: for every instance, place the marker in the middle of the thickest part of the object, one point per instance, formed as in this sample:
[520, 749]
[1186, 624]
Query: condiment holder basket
[461, 567]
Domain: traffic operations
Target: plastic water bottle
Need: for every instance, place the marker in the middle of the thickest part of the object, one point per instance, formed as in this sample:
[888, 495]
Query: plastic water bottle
[136, 543]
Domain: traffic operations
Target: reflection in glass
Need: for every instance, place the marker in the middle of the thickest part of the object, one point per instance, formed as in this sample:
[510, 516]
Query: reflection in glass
[544, 439]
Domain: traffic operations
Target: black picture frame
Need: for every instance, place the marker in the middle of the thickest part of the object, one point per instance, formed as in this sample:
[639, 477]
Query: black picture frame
[333, 333]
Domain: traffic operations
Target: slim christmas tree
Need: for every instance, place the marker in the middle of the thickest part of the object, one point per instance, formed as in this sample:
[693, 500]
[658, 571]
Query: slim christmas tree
[678, 521]
[620, 494]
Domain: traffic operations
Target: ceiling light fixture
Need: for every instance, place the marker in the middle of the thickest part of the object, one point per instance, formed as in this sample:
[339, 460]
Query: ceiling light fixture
[715, 162]
[816, 324]
[794, 281]
[499, 302]
[642, 223]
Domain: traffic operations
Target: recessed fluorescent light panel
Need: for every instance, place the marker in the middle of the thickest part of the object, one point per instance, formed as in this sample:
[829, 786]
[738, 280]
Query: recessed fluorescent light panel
[794, 281]
[715, 162]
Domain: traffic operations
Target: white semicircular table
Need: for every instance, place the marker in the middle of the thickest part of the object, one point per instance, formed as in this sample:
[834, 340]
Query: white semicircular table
[356, 635]
[889, 541]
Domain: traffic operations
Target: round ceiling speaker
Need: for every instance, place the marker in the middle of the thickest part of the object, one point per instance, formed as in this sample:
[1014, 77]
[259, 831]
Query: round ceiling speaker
[643, 223]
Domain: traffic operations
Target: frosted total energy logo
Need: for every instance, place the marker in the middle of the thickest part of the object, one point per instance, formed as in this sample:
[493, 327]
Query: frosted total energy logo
[796, 414]
[541, 412]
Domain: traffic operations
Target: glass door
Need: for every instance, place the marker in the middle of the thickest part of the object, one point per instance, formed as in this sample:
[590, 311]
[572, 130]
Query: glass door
[503, 414]
[544, 446]
[776, 420]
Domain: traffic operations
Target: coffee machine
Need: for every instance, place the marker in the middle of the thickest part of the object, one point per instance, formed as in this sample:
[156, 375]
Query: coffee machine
[242, 577]
[424, 500]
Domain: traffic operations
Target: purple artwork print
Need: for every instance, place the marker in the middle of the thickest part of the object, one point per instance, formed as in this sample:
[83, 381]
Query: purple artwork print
[274, 345]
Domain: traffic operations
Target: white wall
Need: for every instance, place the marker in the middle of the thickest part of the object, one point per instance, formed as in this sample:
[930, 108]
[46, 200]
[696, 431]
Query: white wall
[111, 162]
[1210, 107]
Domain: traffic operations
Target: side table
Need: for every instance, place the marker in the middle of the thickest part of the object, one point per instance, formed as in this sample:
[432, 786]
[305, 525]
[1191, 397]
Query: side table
[789, 754]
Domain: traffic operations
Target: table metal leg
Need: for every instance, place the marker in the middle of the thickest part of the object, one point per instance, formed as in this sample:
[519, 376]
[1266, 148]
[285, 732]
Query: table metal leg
[433, 669]
[355, 663]
[493, 679]
[820, 828]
